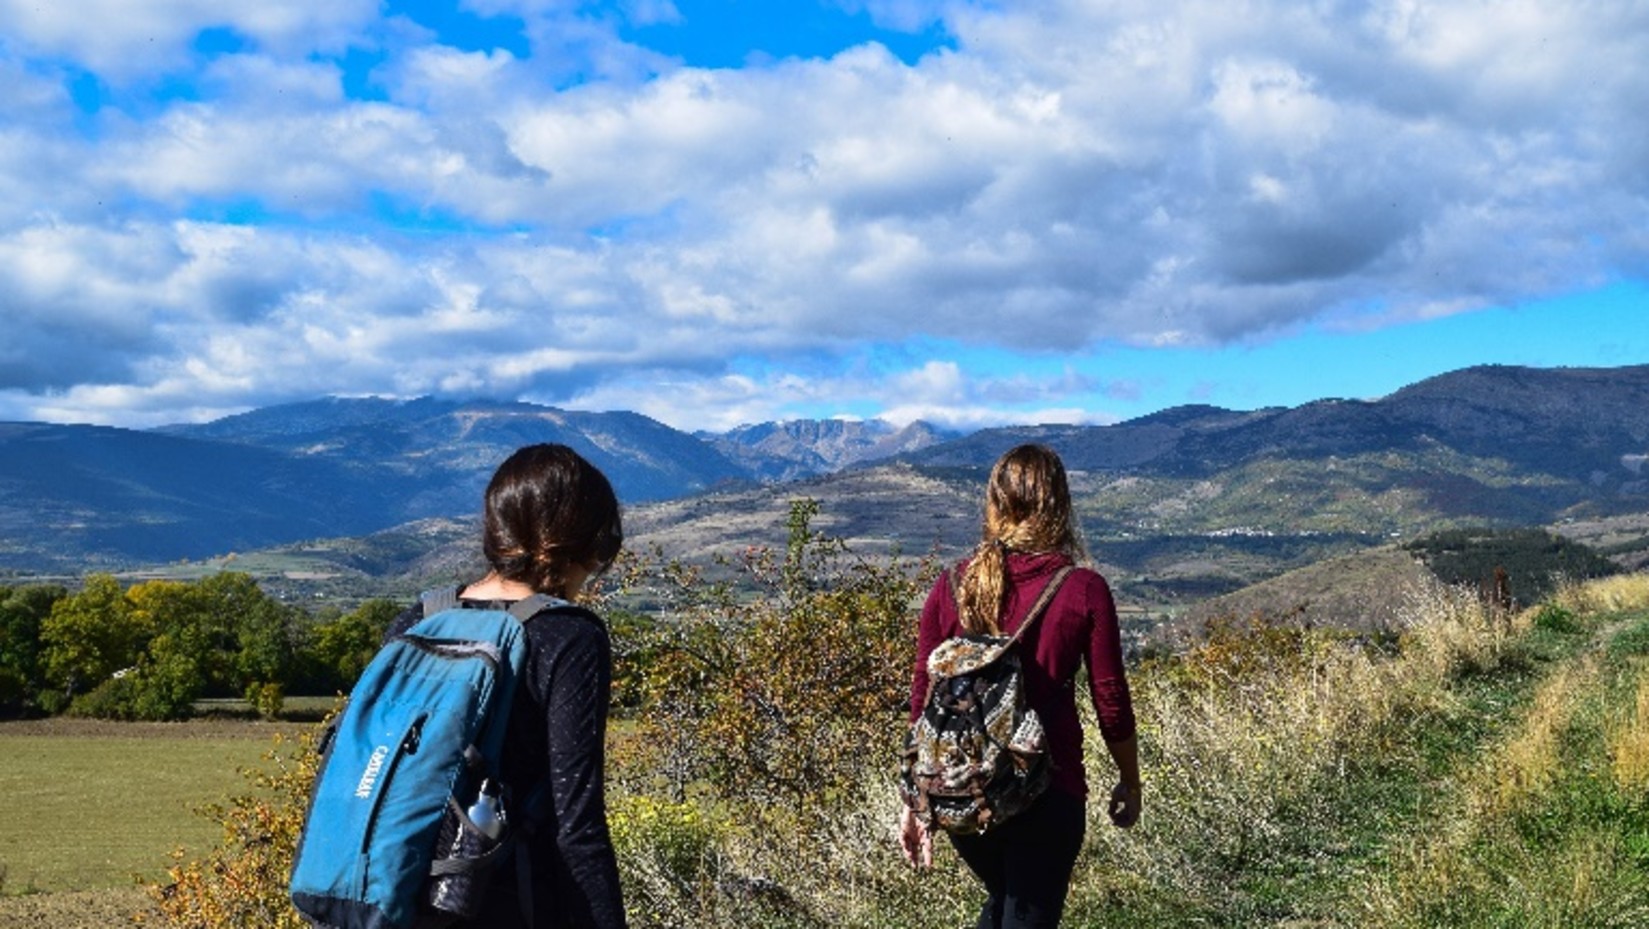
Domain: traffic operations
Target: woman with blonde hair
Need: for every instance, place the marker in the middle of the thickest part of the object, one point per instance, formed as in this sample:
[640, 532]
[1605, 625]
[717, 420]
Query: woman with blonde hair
[1029, 535]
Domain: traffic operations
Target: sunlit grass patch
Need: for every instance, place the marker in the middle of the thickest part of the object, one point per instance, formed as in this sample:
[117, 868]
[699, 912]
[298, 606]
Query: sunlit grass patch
[1629, 741]
[92, 812]
[1529, 763]
[1551, 824]
[1617, 594]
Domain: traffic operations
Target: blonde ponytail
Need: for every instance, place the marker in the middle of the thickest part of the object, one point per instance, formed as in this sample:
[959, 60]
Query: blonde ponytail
[1027, 509]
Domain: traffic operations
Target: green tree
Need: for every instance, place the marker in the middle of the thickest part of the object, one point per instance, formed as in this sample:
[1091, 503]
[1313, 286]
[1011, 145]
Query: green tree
[92, 634]
[23, 610]
[343, 646]
[170, 643]
[179, 662]
[251, 632]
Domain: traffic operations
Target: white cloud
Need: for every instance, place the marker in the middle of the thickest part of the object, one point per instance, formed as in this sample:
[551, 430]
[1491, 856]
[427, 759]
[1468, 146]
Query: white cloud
[121, 39]
[1069, 176]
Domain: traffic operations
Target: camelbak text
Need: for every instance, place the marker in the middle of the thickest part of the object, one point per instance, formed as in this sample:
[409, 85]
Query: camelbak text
[370, 775]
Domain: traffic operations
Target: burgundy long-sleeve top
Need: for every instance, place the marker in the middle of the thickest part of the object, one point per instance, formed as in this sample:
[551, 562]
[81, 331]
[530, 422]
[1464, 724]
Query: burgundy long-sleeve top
[1080, 626]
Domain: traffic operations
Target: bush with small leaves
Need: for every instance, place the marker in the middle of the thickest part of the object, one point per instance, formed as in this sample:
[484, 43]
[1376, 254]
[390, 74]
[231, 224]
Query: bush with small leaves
[241, 883]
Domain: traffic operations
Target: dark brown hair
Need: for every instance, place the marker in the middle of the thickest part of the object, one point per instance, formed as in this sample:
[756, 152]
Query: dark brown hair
[1027, 509]
[547, 509]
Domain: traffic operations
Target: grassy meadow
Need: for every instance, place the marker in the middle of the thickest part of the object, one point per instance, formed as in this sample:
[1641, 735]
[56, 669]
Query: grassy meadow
[1464, 768]
[92, 807]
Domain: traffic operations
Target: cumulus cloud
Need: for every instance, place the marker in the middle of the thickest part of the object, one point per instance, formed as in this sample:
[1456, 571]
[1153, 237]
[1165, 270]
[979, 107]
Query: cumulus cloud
[123, 40]
[580, 220]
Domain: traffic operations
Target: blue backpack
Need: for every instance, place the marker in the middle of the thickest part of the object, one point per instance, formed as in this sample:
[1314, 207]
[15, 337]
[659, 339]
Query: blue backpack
[390, 840]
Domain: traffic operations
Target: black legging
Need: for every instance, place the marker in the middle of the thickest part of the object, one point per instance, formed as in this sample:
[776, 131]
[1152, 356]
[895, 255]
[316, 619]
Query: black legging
[1026, 863]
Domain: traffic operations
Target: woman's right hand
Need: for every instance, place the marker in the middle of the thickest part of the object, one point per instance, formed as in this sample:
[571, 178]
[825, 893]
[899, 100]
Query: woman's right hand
[915, 840]
[1125, 805]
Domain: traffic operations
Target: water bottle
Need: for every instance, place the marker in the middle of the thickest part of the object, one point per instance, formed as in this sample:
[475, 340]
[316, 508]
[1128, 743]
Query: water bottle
[487, 812]
[465, 836]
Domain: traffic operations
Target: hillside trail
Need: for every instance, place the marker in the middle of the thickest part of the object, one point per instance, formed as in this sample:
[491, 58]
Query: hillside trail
[1525, 753]
[1512, 771]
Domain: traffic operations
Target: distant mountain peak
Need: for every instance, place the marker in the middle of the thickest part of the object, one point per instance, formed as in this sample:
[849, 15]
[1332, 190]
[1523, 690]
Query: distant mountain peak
[790, 449]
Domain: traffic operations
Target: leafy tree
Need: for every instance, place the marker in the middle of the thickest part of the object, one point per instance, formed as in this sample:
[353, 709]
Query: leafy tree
[23, 610]
[179, 661]
[257, 633]
[342, 647]
[92, 634]
[170, 643]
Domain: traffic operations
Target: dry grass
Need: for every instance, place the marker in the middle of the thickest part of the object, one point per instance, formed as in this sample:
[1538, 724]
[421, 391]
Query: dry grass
[1480, 863]
[1629, 741]
[1606, 595]
[1448, 631]
[1528, 763]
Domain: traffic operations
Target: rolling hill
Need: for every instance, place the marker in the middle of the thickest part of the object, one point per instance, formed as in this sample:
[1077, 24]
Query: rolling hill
[1186, 503]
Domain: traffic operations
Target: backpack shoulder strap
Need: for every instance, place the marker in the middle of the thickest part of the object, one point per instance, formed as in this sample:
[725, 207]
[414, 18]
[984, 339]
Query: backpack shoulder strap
[525, 609]
[441, 598]
[1042, 601]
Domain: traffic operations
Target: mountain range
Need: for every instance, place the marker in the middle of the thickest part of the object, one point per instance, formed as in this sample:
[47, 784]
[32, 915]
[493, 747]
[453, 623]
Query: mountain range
[1161, 496]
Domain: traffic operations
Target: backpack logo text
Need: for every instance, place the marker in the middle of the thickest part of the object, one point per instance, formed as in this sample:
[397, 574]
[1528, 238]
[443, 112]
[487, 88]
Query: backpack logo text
[370, 775]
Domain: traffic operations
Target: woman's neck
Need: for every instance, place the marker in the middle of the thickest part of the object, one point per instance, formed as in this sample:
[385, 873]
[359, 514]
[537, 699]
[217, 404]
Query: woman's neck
[493, 587]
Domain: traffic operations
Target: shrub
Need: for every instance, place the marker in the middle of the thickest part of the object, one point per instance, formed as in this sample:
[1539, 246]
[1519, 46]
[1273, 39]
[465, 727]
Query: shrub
[242, 882]
[776, 699]
[1554, 618]
[266, 699]
[680, 837]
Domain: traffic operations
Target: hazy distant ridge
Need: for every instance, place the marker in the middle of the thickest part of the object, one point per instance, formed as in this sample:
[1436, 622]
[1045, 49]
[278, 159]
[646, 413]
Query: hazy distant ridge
[1565, 422]
[1496, 444]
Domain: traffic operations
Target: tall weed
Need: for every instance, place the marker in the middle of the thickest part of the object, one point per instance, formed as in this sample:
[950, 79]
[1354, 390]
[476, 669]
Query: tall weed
[1449, 631]
[1250, 740]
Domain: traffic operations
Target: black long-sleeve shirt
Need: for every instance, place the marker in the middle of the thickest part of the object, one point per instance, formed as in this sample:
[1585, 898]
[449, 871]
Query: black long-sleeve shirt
[557, 736]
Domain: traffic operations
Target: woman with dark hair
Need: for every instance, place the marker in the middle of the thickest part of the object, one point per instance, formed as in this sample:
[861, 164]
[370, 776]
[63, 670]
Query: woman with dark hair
[1029, 534]
[551, 524]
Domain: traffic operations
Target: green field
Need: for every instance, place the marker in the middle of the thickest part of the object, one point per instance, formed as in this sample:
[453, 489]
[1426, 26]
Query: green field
[87, 805]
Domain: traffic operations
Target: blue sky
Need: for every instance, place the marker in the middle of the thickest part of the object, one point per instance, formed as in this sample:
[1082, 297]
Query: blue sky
[719, 212]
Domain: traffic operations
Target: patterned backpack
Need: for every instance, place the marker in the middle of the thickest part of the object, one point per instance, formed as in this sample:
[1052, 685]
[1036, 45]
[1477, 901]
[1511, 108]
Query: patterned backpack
[977, 755]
